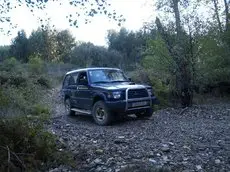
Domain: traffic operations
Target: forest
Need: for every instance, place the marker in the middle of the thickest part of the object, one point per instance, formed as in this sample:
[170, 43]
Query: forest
[182, 56]
[184, 53]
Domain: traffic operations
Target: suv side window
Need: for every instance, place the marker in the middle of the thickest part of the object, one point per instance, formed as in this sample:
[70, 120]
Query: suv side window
[73, 79]
[82, 79]
[66, 81]
[70, 80]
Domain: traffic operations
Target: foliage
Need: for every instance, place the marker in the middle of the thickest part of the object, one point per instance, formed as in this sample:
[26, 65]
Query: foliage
[19, 47]
[43, 42]
[160, 88]
[25, 144]
[129, 44]
[50, 46]
[87, 54]
[86, 9]
[65, 43]
[36, 65]
[4, 52]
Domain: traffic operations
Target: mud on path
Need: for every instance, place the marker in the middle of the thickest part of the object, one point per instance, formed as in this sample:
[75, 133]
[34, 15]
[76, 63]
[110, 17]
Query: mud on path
[197, 140]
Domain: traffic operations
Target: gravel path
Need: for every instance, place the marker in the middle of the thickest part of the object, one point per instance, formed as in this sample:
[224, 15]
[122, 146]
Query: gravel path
[197, 140]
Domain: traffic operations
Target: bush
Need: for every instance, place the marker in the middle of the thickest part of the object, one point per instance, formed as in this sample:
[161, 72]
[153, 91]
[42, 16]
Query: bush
[44, 81]
[8, 78]
[26, 145]
[160, 88]
[36, 65]
[12, 65]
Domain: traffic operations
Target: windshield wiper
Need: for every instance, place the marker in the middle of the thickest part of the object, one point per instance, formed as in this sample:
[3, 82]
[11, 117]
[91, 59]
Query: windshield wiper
[100, 82]
[119, 81]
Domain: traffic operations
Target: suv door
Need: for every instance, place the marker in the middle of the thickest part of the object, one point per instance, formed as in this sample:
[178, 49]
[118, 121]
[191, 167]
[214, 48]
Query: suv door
[84, 96]
[69, 88]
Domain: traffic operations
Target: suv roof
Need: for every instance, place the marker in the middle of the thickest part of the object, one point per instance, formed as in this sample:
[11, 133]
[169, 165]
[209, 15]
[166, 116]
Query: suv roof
[85, 69]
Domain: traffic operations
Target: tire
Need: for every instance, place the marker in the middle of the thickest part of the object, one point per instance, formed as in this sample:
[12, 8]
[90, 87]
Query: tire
[146, 114]
[101, 114]
[68, 110]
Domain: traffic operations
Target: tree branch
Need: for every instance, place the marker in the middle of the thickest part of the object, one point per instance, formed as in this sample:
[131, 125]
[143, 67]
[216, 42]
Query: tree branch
[8, 152]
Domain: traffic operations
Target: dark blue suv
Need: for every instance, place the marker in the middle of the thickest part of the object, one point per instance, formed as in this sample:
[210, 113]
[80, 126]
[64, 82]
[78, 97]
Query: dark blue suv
[105, 93]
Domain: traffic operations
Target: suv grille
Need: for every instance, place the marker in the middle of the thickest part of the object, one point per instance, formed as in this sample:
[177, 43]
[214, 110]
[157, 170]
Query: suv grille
[137, 93]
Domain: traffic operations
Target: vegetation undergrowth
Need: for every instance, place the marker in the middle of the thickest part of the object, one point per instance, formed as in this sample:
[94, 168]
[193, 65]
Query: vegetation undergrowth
[26, 144]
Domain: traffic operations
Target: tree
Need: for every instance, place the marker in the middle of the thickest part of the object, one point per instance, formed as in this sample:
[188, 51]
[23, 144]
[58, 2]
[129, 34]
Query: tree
[129, 44]
[89, 55]
[86, 10]
[181, 51]
[65, 43]
[19, 47]
[4, 52]
[43, 42]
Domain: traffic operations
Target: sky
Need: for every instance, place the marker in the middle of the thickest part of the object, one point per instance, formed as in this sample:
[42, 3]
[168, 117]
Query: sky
[136, 12]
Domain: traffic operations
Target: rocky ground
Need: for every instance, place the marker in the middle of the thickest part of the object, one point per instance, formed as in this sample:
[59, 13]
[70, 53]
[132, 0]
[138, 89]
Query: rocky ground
[196, 140]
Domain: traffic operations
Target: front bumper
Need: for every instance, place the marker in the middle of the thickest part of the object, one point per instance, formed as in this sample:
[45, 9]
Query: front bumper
[125, 106]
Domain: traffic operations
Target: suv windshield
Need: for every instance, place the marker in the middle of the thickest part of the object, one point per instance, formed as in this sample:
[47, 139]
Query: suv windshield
[106, 75]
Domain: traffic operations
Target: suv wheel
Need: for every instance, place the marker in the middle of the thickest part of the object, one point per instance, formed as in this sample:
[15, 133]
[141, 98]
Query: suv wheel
[68, 110]
[147, 113]
[101, 114]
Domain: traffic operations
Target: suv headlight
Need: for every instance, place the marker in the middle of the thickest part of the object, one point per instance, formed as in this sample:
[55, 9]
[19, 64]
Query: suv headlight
[150, 92]
[115, 95]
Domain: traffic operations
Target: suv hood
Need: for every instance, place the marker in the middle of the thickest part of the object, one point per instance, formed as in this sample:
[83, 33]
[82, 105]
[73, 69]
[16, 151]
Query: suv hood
[120, 86]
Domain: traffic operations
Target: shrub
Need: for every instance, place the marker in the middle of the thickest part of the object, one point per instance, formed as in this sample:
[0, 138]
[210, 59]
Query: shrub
[44, 81]
[36, 65]
[26, 145]
[160, 88]
[12, 65]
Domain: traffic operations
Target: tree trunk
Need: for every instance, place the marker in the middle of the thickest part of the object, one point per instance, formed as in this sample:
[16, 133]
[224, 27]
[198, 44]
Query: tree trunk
[215, 3]
[183, 75]
[227, 20]
[177, 17]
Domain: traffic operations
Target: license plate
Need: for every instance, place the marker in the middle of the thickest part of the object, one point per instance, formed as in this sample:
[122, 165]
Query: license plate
[136, 104]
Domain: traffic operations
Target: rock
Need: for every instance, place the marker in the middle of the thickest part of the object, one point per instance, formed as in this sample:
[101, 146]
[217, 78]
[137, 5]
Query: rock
[98, 169]
[117, 170]
[99, 151]
[151, 154]
[185, 158]
[65, 138]
[152, 160]
[198, 167]
[217, 161]
[54, 170]
[171, 143]
[65, 130]
[184, 162]
[165, 159]
[165, 148]
[186, 147]
[144, 143]
[97, 161]
[121, 137]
